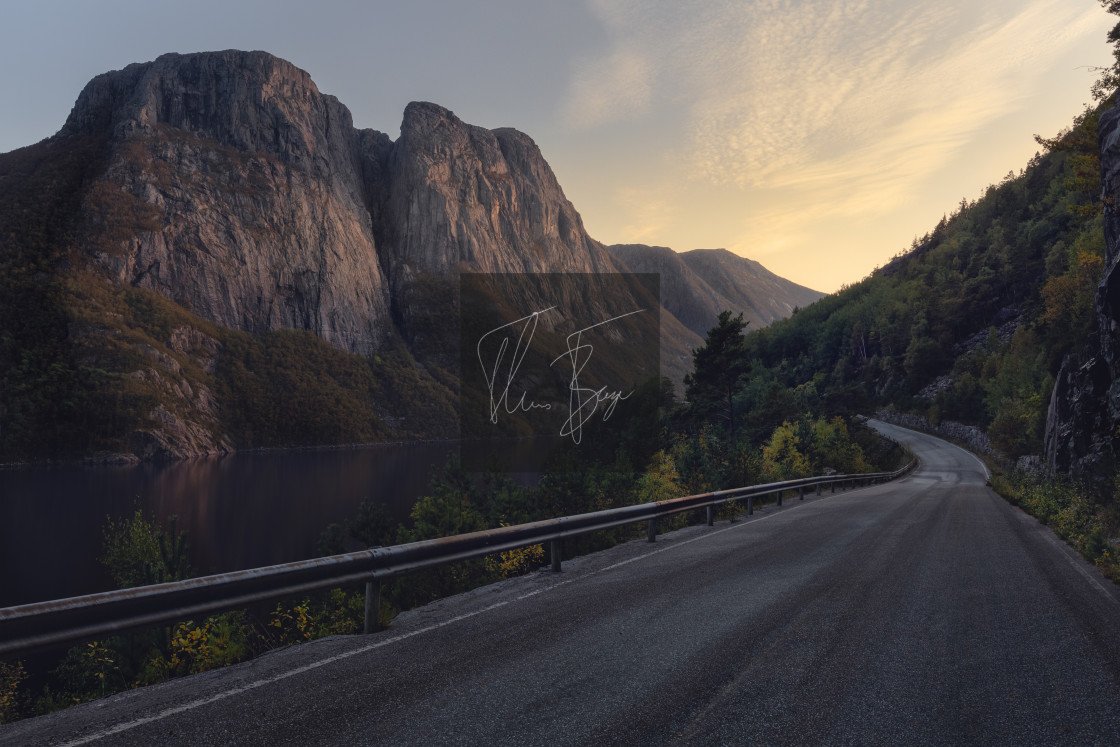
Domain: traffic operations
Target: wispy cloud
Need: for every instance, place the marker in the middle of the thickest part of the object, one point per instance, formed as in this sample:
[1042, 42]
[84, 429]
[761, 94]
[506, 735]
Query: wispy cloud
[617, 87]
[851, 103]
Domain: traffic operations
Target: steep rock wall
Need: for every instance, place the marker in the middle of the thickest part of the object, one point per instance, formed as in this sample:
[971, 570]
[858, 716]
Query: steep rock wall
[253, 185]
[1084, 410]
[464, 197]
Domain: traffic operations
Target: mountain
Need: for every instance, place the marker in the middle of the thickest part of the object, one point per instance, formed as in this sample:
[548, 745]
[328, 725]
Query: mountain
[697, 285]
[209, 255]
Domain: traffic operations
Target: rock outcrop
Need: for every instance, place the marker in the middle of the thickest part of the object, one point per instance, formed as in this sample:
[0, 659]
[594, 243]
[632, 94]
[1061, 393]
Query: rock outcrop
[970, 435]
[460, 196]
[256, 204]
[1084, 411]
[253, 188]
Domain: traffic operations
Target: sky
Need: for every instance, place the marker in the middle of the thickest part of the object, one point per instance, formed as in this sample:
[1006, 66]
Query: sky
[818, 138]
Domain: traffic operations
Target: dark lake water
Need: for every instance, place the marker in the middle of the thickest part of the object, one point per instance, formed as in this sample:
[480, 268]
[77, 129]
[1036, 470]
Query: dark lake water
[241, 511]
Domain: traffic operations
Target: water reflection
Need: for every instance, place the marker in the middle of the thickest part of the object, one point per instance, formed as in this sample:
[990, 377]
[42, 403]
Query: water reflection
[241, 511]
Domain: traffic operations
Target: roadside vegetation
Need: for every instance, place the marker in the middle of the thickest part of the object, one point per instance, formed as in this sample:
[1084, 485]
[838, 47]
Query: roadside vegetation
[1072, 510]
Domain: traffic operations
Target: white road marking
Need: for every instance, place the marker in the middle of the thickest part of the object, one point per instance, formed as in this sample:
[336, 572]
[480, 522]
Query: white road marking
[269, 680]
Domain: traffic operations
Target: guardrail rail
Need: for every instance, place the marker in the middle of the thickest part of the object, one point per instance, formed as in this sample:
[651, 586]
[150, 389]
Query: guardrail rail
[43, 625]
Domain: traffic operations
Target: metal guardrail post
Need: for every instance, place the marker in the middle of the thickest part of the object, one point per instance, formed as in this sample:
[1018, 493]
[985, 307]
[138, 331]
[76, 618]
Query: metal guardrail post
[818, 488]
[832, 487]
[373, 607]
[555, 547]
[801, 493]
[711, 516]
[651, 531]
[779, 494]
[750, 505]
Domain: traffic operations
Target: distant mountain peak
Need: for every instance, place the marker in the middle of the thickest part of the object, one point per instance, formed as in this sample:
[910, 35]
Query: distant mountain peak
[697, 285]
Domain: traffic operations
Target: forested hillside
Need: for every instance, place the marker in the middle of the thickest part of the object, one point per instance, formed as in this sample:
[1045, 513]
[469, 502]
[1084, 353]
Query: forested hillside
[971, 324]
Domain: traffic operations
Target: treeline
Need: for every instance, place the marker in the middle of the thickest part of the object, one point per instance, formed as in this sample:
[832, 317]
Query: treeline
[972, 324]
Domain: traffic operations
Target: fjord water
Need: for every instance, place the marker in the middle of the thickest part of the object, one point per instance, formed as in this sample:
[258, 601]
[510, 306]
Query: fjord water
[241, 511]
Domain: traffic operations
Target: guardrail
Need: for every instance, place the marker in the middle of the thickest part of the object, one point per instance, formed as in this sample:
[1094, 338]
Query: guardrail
[44, 625]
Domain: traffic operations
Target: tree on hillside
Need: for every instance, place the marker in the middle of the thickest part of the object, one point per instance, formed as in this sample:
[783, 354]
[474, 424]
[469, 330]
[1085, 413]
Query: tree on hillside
[719, 371]
[1110, 76]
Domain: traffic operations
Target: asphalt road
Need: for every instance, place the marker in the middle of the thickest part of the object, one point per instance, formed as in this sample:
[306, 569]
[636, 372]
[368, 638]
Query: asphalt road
[926, 611]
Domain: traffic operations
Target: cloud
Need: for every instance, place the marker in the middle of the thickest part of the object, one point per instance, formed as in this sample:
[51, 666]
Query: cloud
[855, 101]
[608, 89]
[896, 102]
[820, 136]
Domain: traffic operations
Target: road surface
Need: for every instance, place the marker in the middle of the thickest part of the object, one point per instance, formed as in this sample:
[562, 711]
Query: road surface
[926, 611]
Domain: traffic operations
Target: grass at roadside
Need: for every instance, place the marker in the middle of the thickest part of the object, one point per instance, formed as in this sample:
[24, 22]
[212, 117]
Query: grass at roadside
[1071, 510]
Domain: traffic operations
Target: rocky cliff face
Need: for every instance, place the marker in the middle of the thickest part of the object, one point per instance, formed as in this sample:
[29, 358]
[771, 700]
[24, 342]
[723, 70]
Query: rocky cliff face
[258, 205]
[250, 182]
[1084, 412]
[463, 197]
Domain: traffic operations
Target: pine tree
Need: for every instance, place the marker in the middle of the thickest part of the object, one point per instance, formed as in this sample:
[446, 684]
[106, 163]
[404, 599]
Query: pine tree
[719, 370]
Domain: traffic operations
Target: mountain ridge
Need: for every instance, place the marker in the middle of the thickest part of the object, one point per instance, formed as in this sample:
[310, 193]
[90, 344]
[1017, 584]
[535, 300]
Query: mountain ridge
[700, 283]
